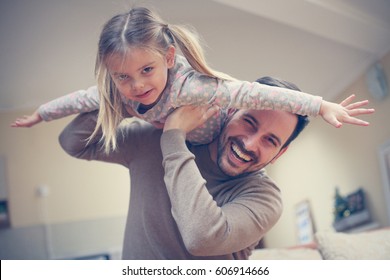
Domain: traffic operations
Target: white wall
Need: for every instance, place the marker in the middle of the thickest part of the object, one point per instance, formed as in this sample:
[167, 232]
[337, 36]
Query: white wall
[78, 190]
[324, 157]
[85, 210]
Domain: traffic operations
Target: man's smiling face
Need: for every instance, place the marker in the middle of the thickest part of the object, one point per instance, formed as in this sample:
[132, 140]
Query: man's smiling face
[251, 139]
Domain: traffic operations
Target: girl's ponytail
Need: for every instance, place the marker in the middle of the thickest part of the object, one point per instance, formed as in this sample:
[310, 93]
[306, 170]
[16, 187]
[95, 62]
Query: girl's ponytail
[188, 43]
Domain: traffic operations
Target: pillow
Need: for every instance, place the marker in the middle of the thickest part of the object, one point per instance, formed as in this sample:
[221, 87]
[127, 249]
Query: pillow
[372, 245]
[285, 254]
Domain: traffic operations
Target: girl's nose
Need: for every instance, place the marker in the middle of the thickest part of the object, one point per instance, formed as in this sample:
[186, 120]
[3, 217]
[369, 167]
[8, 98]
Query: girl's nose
[137, 85]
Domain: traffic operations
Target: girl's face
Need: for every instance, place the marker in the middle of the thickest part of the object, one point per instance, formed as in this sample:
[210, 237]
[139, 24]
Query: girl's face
[141, 75]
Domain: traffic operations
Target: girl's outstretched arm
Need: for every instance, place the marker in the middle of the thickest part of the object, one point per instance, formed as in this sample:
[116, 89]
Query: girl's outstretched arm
[27, 120]
[345, 112]
[80, 101]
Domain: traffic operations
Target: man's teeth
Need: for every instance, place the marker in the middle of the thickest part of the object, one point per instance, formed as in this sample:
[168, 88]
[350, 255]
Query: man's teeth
[238, 152]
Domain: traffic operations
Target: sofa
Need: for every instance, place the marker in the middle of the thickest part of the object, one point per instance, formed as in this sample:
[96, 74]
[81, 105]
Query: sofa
[329, 245]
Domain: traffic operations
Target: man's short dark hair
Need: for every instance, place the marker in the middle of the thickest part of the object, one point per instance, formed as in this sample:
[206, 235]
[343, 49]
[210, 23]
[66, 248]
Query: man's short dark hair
[302, 120]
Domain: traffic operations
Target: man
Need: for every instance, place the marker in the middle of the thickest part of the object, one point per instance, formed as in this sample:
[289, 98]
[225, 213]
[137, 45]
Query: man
[204, 202]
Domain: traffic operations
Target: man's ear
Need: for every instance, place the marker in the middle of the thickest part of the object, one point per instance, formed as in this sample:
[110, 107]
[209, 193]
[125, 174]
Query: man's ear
[281, 152]
[170, 56]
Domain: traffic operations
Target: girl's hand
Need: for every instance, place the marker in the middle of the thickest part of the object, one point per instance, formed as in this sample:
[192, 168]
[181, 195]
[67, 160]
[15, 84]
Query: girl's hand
[345, 112]
[27, 121]
[189, 117]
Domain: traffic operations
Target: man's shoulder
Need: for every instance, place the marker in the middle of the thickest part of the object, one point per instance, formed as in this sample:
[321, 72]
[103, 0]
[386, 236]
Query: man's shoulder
[135, 123]
[258, 180]
[138, 129]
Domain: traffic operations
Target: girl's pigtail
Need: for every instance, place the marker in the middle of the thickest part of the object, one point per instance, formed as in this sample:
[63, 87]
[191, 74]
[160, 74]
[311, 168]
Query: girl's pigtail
[188, 43]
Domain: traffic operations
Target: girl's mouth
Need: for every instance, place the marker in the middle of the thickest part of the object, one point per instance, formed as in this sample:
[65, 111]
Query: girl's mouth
[145, 94]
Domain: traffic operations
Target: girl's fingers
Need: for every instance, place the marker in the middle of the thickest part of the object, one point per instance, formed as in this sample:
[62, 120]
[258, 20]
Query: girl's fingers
[356, 104]
[356, 121]
[356, 112]
[333, 121]
[347, 100]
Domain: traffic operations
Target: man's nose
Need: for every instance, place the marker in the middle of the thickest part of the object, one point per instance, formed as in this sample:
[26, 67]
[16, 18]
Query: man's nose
[252, 143]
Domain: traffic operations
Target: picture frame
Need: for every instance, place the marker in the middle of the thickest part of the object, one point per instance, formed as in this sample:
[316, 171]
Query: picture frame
[4, 214]
[304, 222]
[384, 161]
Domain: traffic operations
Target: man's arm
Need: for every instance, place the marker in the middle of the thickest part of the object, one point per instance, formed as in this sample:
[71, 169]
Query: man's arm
[74, 139]
[209, 229]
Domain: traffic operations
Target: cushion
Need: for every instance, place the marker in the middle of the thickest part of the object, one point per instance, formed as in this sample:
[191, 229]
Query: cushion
[372, 245]
[285, 254]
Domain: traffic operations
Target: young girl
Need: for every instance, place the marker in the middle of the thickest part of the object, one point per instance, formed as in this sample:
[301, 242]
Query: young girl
[138, 70]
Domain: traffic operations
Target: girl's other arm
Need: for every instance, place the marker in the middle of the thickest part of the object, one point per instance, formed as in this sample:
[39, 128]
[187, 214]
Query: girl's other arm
[278, 98]
[199, 90]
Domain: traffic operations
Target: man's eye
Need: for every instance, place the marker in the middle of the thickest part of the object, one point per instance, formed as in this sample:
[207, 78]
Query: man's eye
[248, 121]
[272, 141]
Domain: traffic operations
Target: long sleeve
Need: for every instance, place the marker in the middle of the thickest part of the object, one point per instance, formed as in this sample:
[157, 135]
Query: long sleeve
[188, 87]
[208, 229]
[80, 101]
[196, 88]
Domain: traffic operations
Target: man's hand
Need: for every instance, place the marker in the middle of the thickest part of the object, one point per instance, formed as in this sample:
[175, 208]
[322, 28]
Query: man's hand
[187, 118]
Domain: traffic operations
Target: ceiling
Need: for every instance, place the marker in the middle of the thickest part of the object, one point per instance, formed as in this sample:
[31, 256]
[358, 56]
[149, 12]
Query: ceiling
[48, 47]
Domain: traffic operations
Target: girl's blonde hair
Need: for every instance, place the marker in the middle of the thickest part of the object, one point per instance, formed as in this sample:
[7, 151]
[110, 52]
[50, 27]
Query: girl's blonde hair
[138, 28]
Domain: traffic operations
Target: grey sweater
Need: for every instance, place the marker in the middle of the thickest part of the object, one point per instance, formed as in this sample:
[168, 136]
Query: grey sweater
[181, 205]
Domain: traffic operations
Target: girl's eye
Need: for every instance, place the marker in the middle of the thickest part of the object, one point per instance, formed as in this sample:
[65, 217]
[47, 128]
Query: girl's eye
[122, 77]
[147, 70]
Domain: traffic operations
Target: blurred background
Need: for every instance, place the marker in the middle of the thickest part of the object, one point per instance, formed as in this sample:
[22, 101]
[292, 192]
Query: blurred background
[53, 206]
